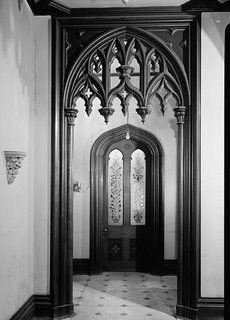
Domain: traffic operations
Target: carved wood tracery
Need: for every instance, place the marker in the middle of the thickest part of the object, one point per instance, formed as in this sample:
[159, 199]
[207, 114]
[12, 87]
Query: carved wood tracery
[156, 76]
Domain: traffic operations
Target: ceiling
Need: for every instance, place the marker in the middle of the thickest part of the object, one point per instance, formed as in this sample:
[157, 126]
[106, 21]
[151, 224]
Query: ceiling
[118, 3]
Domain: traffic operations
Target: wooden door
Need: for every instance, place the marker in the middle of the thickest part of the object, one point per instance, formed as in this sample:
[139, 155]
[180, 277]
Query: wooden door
[127, 218]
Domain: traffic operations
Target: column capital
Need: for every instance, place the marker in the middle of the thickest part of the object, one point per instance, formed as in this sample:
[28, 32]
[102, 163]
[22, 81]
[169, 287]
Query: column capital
[71, 115]
[180, 114]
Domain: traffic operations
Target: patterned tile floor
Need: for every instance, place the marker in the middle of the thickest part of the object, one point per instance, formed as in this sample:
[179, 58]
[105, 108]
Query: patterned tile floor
[124, 295]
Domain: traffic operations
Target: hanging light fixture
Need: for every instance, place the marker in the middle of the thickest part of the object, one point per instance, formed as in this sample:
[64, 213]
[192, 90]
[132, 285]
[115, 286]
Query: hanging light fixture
[125, 1]
[127, 130]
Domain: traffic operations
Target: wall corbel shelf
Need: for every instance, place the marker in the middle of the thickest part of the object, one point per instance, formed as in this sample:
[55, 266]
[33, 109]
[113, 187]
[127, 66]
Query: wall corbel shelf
[13, 164]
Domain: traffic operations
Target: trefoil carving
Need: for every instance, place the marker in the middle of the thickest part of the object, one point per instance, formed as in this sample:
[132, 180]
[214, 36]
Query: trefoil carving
[13, 164]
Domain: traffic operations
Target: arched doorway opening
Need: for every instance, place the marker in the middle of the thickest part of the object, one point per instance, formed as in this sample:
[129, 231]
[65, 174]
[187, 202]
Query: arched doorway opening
[119, 239]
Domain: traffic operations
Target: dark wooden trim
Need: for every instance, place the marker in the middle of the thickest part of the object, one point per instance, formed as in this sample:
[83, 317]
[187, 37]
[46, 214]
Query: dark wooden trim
[183, 312]
[210, 303]
[210, 309]
[26, 311]
[191, 141]
[81, 266]
[198, 6]
[169, 267]
[35, 306]
[42, 306]
[55, 9]
[227, 173]
[99, 149]
[61, 216]
[48, 7]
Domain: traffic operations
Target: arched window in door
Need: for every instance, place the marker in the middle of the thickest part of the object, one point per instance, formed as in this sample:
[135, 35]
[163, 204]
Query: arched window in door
[138, 187]
[115, 188]
[126, 168]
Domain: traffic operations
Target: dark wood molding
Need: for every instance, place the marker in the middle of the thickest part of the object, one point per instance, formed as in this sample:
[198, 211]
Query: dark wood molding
[105, 20]
[81, 266]
[210, 308]
[183, 312]
[61, 206]
[26, 311]
[227, 174]
[48, 7]
[169, 267]
[199, 6]
[35, 306]
[55, 9]
[42, 306]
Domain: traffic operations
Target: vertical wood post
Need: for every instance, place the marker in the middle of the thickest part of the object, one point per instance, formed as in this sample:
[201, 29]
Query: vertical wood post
[70, 114]
[180, 115]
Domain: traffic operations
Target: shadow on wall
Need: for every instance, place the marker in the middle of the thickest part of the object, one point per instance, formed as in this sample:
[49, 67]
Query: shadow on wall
[218, 22]
[16, 41]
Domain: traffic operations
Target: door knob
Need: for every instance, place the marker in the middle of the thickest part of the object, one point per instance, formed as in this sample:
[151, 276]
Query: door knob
[104, 231]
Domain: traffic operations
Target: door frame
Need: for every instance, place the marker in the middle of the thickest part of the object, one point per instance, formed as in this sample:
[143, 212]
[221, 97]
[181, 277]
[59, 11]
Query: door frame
[98, 149]
[62, 159]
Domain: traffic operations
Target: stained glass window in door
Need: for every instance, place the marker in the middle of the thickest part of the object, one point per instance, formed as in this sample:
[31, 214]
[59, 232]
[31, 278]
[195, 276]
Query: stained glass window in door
[115, 188]
[138, 187]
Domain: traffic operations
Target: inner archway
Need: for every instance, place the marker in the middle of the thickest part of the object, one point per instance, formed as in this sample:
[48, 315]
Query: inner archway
[139, 247]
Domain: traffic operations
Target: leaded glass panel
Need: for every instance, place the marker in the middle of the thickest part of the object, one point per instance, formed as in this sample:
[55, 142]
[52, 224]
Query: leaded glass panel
[115, 188]
[138, 187]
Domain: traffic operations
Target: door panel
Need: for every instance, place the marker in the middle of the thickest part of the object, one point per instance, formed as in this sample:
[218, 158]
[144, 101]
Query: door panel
[127, 222]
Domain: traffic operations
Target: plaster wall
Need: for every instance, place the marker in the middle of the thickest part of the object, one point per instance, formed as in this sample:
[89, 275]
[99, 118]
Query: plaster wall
[41, 153]
[24, 126]
[212, 153]
[16, 134]
[87, 130]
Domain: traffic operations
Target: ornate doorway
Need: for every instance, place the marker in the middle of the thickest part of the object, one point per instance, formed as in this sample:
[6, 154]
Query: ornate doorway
[83, 45]
[127, 215]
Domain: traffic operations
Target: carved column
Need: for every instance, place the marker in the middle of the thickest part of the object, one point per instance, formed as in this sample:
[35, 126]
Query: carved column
[180, 115]
[70, 114]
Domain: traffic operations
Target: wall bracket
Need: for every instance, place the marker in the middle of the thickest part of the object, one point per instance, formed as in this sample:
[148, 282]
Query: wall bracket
[13, 164]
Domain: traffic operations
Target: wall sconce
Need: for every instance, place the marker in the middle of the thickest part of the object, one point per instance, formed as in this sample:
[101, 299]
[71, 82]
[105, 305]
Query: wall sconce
[13, 164]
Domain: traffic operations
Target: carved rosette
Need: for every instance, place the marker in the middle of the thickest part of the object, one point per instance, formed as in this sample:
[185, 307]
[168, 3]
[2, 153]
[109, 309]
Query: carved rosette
[180, 114]
[13, 164]
[71, 115]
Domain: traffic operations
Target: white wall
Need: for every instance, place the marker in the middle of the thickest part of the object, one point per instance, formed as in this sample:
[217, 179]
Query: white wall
[16, 133]
[87, 130]
[212, 153]
[24, 126]
[42, 147]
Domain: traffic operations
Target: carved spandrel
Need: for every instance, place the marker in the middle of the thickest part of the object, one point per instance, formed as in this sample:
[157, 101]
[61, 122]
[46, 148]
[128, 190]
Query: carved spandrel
[76, 40]
[174, 38]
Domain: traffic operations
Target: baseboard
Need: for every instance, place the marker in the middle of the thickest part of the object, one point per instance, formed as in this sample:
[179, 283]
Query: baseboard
[184, 312]
[42, 306]
[81, 266]
[35, 306]
[210, 309]
[26, 311]
[169, 267]
[63, 311]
